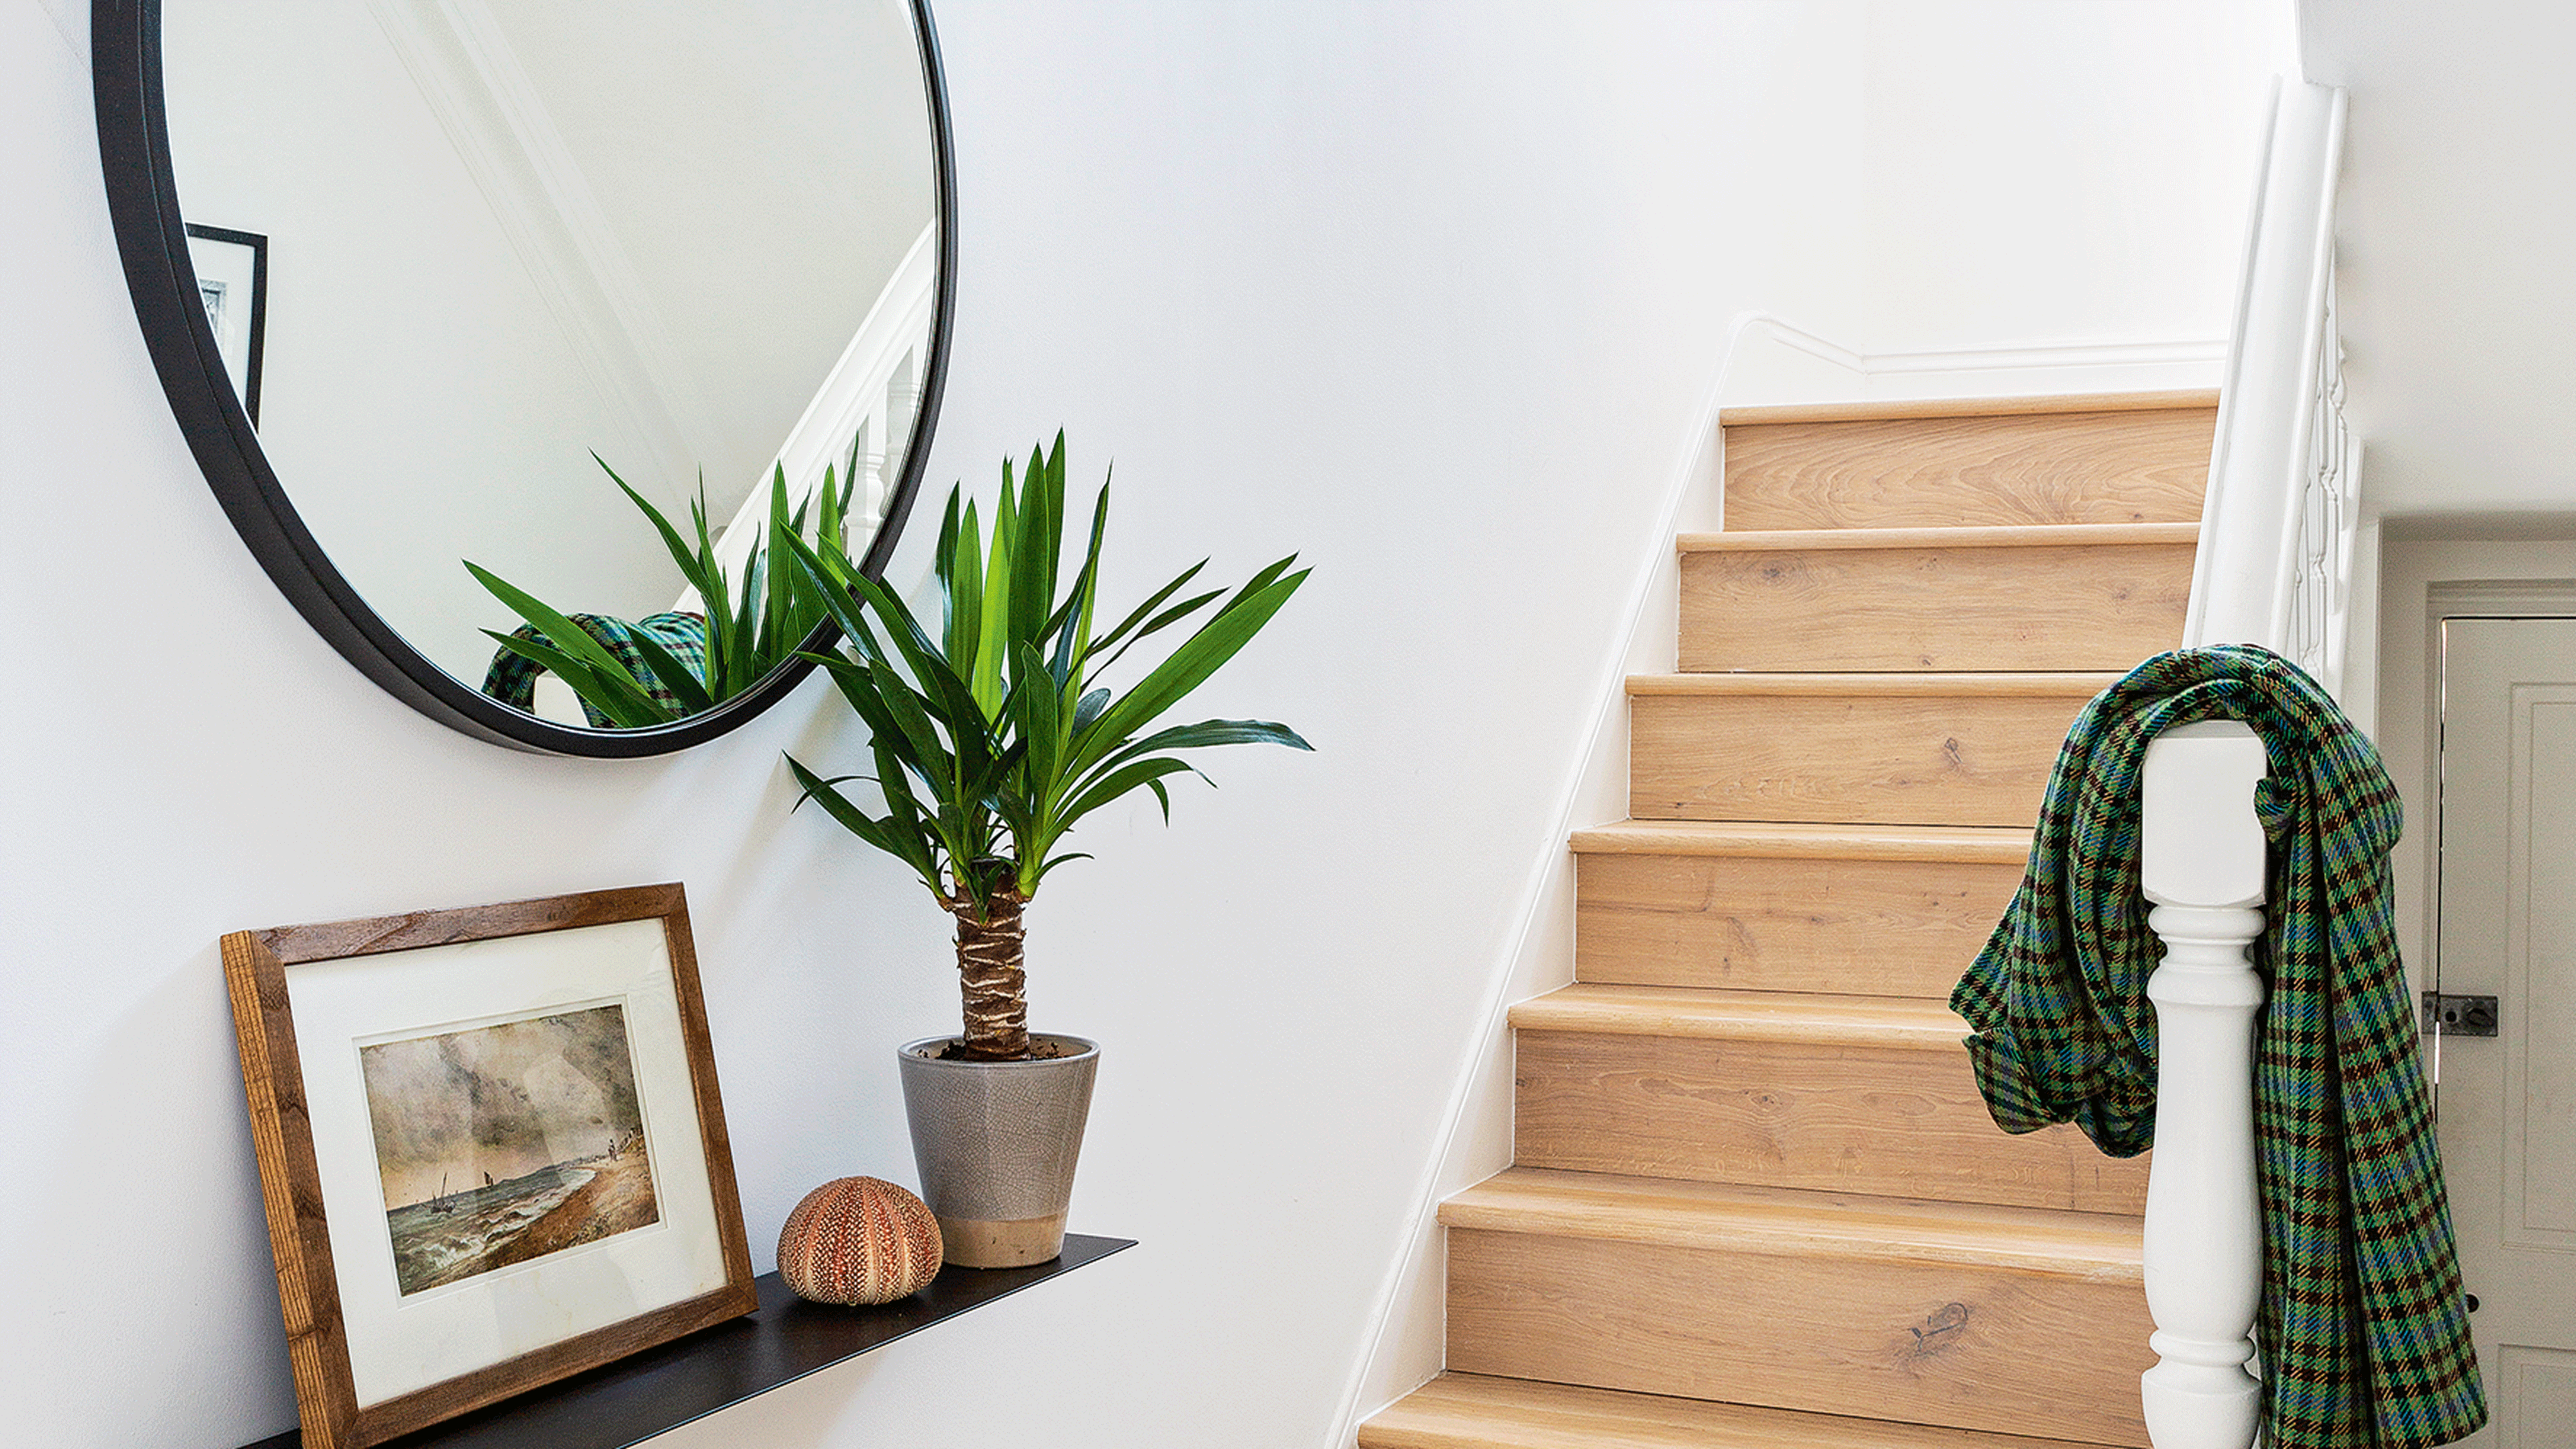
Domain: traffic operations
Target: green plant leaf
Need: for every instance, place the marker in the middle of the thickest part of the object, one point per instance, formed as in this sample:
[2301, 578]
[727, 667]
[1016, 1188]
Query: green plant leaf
[676, 676]
[966, 716]
[1159, 623]
[919, 734]
[1185, 668]
[583, 680]
[1040, 728]
[693, 567]
[992, 647]
[1124, 779]
[574, 640]
[1208, 733]
[778, 614]
[1146, 608]
[901, 845]
[1038, 543]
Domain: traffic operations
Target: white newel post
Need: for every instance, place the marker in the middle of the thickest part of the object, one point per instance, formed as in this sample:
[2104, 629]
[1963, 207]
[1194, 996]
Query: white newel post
[2202, 863]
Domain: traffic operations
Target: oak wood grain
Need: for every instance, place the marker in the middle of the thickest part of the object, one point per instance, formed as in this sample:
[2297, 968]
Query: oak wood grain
[1969, 1348]
[332, 940]
[1883, 409]
[1980, 844]
[1825, 1020]
[1983, 684]
[1982, 536]
[1947, 607]
[2088, 467]
[1895, 1120]
[290, 1182]
[1874, 927]
[1476, 1411]
[1912, 757]
[1744, 1218]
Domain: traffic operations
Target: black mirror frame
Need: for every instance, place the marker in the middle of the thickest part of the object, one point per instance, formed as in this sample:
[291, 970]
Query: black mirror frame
[151, 236]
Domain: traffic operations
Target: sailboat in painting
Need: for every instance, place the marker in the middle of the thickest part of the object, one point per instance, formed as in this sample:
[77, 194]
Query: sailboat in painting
[543, 1109]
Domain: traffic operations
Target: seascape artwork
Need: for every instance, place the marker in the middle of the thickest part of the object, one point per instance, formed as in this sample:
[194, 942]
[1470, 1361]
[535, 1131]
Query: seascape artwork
[503, 1144]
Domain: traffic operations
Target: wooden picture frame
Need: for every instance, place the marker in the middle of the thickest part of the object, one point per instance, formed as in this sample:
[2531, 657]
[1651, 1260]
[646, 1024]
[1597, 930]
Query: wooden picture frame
[474, 1041]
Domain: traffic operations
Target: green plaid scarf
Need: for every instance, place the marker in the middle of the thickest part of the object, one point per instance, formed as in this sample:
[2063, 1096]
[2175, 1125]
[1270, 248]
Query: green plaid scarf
[512, 679]
[2365, 1344]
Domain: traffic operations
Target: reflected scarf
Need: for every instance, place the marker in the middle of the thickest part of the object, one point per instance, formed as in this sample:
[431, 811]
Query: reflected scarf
[512, 679]
[2364, 1338]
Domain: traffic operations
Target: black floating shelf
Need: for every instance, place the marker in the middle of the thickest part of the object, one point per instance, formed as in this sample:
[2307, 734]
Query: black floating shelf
[635, 1398]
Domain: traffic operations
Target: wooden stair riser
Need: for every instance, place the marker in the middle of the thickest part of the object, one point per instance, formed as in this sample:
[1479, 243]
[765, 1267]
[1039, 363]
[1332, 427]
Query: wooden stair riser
[1889, 759]
[2109, 467]
[1469, 1411]
[1971, 1348]
[2072, 607]
[1865, 927]
[1887, 1122]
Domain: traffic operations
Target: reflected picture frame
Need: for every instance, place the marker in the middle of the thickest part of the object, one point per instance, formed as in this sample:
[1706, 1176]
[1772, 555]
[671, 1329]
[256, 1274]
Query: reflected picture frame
[232, 281]
[491, 1149]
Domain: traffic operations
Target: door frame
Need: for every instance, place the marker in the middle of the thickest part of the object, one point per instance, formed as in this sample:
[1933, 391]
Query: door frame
[2425, 578]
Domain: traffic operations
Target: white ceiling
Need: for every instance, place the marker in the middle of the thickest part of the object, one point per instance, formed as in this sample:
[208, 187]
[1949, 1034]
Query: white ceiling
[2457, 247]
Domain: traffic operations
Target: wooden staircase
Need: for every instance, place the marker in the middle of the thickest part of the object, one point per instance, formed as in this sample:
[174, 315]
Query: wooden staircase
[1756, 1200]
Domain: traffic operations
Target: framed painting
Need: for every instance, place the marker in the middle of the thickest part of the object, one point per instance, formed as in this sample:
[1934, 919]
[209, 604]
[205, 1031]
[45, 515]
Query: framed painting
[491, 1147]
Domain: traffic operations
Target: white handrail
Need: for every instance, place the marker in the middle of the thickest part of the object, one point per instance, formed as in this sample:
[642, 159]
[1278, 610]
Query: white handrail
[872, 394]
[2274, 568]
[2276, 530]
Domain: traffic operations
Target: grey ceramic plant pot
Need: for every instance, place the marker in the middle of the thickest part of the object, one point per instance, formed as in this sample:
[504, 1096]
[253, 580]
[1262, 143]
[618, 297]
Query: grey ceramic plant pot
[996, 1144]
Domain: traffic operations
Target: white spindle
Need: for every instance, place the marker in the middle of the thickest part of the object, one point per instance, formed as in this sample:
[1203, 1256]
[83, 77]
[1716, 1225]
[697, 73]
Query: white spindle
[2202, 863]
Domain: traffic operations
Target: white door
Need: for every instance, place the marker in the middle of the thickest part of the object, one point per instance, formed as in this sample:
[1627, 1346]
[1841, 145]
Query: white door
[2507, 929]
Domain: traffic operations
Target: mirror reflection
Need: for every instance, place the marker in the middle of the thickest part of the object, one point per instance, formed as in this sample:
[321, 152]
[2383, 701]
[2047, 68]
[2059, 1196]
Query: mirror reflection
[492, 259]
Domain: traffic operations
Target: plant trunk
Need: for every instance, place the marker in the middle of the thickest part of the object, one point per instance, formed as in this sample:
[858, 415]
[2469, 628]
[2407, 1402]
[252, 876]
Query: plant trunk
[990, 953]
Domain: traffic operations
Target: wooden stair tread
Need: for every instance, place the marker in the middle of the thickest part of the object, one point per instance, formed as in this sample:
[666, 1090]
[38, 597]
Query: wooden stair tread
[2038, 683]
[2019, 535]
[1795, 1222]
[1477, 1411]
[1721, 1014]
[1983, 844]
[1891, 409]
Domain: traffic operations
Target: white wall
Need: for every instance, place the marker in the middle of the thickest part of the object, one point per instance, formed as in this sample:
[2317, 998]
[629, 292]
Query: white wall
[2452, 242]
[2035, 197]
[1432, 292]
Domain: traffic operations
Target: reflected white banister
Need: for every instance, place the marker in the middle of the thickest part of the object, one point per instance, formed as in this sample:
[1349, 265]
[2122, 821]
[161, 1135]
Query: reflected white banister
[872, 394]
[2274, 568]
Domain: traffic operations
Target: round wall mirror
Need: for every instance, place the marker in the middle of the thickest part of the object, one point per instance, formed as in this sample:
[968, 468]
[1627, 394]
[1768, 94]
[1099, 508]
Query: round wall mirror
[459, 303]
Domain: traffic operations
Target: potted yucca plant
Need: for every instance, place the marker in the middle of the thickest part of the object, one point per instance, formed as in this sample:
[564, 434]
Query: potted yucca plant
[992, 737]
